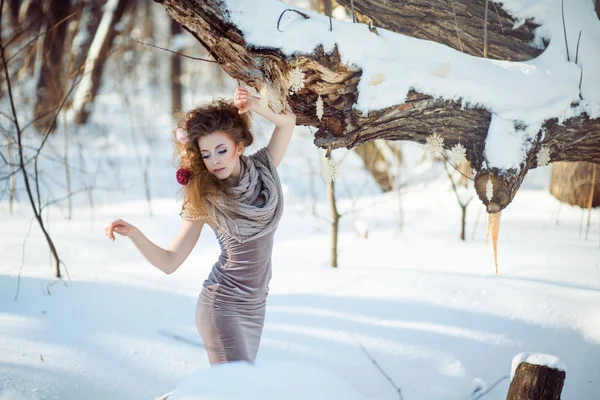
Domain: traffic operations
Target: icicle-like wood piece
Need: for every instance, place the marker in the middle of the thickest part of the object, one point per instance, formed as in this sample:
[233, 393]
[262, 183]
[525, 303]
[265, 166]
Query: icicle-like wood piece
[494, 229]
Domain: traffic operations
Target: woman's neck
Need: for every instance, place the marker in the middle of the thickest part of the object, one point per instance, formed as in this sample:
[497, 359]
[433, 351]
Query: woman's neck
[233, 179]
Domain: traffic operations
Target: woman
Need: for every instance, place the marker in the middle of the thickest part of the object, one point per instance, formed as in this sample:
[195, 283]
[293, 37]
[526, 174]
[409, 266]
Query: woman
[240, 198]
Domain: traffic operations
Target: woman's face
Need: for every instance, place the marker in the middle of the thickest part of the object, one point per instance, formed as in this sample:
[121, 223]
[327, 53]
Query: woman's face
[220, 154]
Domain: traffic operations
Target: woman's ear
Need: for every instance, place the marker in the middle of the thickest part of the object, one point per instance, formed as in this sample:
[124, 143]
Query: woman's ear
[240, 148]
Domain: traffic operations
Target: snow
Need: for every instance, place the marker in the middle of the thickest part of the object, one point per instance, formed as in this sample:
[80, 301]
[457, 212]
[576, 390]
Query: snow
[513, 142]
[536, 359]
[426, 307]
[265, 380]
[528, 92]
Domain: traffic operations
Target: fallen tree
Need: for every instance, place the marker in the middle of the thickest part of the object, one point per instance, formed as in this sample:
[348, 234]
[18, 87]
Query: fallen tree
[326, 78]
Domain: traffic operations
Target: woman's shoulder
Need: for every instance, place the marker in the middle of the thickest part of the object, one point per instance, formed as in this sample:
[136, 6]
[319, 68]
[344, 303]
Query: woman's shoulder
[262, 156]
[192, 214]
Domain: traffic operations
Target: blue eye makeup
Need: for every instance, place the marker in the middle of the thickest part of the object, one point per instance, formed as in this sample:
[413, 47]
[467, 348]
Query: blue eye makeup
[206, 156]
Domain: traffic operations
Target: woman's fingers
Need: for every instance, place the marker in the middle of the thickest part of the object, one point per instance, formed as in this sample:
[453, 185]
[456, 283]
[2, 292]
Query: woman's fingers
[118, 226]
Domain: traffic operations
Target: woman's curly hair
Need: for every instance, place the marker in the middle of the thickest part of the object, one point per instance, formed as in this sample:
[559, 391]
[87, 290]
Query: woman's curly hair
[218, 115]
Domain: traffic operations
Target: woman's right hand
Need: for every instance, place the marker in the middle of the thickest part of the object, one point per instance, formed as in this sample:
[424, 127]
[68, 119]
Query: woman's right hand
[121, 227]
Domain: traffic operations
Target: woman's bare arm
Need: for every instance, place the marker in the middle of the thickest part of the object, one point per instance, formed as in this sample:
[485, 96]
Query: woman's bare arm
[166, 260]
[284, 123]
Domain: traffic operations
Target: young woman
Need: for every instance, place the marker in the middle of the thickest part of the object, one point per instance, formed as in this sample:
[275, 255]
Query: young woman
[240, 198]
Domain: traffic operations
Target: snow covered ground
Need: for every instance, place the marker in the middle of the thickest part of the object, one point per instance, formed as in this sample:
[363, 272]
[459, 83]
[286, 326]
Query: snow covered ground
[426, 306]
[411, 299]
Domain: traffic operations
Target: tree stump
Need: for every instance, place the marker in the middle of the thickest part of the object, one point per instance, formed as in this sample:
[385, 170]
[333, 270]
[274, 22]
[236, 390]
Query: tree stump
[532, 381]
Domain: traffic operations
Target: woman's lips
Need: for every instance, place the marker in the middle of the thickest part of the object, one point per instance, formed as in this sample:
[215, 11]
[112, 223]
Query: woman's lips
[218, 170]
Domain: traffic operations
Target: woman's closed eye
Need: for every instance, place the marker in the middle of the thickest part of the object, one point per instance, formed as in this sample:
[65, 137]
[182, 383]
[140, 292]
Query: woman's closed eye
[205, 156]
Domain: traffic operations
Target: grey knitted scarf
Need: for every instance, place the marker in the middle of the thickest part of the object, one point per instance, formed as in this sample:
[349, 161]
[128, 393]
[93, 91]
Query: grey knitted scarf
[237, 214]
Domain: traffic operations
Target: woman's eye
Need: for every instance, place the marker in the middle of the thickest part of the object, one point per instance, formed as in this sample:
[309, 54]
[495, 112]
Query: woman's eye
[222, 151]
[206, 156]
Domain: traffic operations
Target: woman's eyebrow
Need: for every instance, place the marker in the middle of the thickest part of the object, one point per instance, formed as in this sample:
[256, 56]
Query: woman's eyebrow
[221, 145]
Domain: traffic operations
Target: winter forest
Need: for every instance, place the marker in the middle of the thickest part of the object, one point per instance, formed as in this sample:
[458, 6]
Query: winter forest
[440, 234]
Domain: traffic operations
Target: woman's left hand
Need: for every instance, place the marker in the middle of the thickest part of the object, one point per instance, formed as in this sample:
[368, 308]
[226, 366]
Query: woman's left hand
[241, 99]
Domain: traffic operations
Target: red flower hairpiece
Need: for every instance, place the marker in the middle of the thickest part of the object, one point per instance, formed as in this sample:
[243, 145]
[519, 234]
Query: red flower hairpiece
[183, 175]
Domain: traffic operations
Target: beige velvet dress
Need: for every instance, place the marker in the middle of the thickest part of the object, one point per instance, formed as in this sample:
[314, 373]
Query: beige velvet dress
[230, 312]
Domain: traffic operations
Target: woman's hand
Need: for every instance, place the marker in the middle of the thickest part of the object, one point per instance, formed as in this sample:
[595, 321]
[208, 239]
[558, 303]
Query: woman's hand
[241, 99]
[121, 227]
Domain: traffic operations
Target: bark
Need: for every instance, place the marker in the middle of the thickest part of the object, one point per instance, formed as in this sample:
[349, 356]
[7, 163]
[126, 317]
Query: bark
[573, 183]
[576, 139]
[456, 23]
[50, 85]
[376, 164]
[335, 223]
[31, 15]
[97, 54]
[13, 13]
[176, 93]
[90, 20]
[536, 382]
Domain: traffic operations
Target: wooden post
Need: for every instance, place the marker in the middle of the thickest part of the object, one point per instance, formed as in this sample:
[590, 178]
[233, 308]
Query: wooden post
[536, 382]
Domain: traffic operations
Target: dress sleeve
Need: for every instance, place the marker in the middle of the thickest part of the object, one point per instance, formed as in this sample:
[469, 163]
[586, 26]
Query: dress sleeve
[263, 157]
[188, 215]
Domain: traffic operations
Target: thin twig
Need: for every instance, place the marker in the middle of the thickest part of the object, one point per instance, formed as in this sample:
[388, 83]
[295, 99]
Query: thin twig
[577, 50]
[565, 28]
[37, 182]
[456, 27]
[21, 157]
[454, 188]
[353, 15]
[22, 260]
[452, 165]
[485, 34]
[381, 370]
[174, 52]
[580, 80]
[480, 395]
[498, 14]
[290, 9]
[38, 36]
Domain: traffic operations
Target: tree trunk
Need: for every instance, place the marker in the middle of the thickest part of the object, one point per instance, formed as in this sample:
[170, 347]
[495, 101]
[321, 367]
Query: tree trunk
[571, 183]
[31, 15]
[376, 164]
[335, 223]
[13, 13]
[456, 23]
[575, 139]
[90, 20]
[176, 93]
[51, 82]
[536, 382]
[96, 57]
